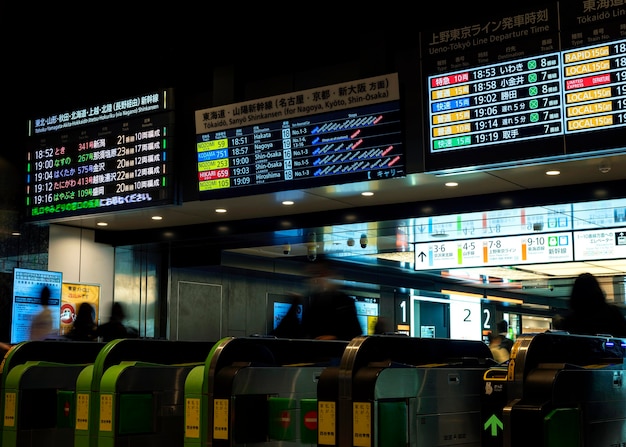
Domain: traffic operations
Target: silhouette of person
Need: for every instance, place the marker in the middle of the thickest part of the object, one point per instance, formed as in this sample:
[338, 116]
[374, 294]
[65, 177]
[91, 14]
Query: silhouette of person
[329, 314]
[503, 330]
[115, 327]
[84, 326]
[290, 326]
[382, 326]
[499, 352]
[41, 325]
[590, 313]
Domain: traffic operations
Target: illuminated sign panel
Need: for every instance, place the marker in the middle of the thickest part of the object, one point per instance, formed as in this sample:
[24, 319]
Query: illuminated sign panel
[595, 87]
[336, 134]
[532, 85]
[582, 231]
[514, 101]
[104, 158]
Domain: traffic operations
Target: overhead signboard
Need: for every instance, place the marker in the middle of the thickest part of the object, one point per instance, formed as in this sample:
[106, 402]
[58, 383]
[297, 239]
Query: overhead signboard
[599, 214]
[487, 252]
[506, 222]
[101, 158]
[330, 135]
[503, 88]
[582, 231]
[608, 243]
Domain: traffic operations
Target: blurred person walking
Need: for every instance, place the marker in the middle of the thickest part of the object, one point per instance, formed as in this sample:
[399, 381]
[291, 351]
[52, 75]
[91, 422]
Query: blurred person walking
[329, 313]
[115, 327]
[41, 325]
[84, 327]
[590, 313]
[503, 331]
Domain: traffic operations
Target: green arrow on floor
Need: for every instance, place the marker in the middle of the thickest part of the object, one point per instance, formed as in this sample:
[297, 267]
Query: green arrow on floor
[494, 423]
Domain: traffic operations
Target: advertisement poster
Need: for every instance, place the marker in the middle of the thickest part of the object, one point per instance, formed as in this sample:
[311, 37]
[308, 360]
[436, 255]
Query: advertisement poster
[73, 295]
[27, 287]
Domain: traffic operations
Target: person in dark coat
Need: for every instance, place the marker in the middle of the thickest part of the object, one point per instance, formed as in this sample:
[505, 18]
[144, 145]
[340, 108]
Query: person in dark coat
[590, 313]
[84, 326]
[290, 325]
[503, 330]
[115, 327]
[329, 313]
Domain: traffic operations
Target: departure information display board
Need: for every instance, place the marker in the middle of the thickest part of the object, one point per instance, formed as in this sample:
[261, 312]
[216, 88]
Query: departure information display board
[594, 80]
[103, 158]
[512, 88]
[335, 134]
[513, 101]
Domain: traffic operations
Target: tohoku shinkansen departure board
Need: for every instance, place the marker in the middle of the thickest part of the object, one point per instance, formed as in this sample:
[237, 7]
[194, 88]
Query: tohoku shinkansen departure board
[515, 88]
[102, 158]
[335, 134]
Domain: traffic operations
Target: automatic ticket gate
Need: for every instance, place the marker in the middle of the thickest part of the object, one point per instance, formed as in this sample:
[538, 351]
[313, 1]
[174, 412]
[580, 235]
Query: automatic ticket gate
[257, 390]
[38, 391]
[133, 393]
[564, 390]
[403, 391]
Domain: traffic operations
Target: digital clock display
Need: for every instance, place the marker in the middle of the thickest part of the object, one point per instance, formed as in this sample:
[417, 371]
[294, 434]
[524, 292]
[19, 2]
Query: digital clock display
[336, 134]
[104, 158]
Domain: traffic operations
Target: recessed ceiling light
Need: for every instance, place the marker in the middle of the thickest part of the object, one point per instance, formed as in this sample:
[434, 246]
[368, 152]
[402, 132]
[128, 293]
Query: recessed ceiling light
[553, 172]
[288, 202]
[367, 193]
[451, 184]
[16, 233]
[157, 218]
[102, 224]
[220, 210]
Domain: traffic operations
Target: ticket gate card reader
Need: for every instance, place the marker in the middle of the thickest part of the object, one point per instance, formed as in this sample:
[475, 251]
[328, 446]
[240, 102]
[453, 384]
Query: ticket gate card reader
[142, 404]
[398, 390]
[38, 391]
[262, 390]
[566, 389]
[88, 385]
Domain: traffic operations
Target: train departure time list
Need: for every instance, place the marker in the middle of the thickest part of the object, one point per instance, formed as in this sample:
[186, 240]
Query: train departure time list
[109, 167]
[355, 136]
[511, 101]
[365, 141]
[595, 87]
[101, 158]
[556, 94]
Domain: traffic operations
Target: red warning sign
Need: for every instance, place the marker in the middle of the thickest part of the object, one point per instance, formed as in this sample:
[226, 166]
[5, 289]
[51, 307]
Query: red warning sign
[310, 420]
[285, 418]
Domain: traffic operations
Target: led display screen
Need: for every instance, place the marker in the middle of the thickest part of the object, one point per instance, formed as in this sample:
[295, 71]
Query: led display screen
[27, 287]
[515, 87]
[102, 158]
[335, 134]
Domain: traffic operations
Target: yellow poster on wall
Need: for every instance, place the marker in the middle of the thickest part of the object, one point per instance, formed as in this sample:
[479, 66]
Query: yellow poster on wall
[72, 295]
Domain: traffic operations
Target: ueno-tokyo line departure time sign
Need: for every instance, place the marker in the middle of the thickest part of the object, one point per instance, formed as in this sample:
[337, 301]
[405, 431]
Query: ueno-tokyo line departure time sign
[549, 95]
[354, 136]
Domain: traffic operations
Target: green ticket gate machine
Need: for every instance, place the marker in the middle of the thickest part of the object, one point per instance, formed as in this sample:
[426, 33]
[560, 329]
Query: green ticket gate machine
[133, 395]
[38, 391]
[403, 391]
[565, 390]
[257, 390]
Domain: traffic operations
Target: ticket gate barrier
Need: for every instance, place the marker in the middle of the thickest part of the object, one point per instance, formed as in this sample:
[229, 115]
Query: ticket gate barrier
[564, 390]
[38, 391]
[152, 413]
[257, 390]
[141, 404]
[403, 391]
